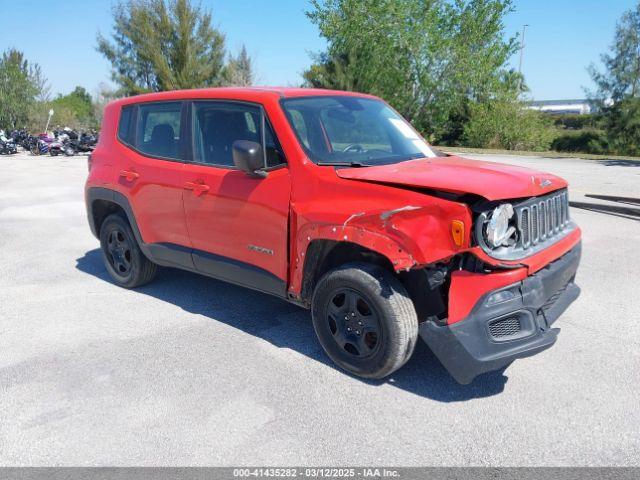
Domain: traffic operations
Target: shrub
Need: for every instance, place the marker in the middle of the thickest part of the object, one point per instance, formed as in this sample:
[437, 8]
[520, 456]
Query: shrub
[586, 141]
[507, 125]
[622, 124]
[572, 121]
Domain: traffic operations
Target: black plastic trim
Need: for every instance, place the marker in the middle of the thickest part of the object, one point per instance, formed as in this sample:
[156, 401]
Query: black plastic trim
[239, 273]
[466, 348]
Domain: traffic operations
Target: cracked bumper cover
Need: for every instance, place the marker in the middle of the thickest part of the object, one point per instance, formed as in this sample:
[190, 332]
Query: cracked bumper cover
[478, 344]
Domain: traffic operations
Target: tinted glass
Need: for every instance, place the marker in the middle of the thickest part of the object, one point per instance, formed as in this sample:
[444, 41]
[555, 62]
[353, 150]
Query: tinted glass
[345, 129]
[217, 125]
[159, 129]
[125, 126]
[300, 126]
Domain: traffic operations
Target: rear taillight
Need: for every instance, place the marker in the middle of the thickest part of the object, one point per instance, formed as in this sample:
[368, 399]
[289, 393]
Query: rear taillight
[89, 162]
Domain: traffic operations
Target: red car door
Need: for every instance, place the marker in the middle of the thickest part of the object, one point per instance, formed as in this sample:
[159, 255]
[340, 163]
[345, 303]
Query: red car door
[150, 172]
[238, 224]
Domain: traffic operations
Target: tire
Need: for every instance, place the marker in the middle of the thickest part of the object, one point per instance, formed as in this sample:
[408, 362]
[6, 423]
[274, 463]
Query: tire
[364, 320]
[123, 259]
[53, 153]
[69, 152]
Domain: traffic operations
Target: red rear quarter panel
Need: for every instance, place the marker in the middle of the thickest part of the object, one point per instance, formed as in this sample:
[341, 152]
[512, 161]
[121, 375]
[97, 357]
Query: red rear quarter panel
[103, 158]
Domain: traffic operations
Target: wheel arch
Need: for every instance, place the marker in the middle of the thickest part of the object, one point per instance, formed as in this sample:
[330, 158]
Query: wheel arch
[323, 255]
[102, 202]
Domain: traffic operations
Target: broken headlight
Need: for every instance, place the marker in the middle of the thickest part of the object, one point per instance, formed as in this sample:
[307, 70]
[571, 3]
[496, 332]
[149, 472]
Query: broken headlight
[496, 228]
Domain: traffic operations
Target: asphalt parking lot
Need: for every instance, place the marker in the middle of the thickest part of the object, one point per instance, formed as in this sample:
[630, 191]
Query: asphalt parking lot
[192, 371]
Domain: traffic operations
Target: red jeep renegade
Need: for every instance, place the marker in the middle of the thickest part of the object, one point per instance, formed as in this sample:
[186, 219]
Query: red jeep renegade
[332, 201]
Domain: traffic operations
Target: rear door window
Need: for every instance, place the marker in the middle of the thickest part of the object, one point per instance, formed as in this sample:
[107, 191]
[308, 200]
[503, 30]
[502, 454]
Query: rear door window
[160, 130]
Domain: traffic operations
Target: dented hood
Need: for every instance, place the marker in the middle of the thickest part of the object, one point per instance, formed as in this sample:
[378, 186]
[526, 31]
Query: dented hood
[493, 181]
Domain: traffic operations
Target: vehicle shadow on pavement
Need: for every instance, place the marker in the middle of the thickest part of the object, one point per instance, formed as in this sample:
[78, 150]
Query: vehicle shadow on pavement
[288, 326]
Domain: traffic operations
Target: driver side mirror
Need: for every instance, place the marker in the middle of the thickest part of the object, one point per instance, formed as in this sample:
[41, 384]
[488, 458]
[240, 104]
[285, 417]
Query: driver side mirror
[249, 157]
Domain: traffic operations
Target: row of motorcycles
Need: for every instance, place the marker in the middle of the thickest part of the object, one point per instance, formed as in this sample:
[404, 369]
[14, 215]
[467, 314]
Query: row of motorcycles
[60, 142]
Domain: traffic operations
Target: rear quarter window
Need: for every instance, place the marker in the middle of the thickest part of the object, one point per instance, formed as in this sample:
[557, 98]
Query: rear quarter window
[126, 124]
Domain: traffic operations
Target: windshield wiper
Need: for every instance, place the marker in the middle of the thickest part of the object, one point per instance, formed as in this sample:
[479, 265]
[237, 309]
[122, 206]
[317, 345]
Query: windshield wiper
[342, 164]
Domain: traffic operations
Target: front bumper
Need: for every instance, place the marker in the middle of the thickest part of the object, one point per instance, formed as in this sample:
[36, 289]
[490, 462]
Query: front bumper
[514, 324]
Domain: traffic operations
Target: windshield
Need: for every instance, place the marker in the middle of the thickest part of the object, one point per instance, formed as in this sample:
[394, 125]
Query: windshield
[343, 130]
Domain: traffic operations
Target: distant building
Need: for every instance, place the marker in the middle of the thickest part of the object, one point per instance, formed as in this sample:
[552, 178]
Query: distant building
[559, 107]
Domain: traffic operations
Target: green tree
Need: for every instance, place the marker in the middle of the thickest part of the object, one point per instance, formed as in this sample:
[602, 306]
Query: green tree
[621, 121]
[163, 45]
[428, 58]
[21, 84]
[240, 70]
[621, 76]
[79, 105]
[618, 86]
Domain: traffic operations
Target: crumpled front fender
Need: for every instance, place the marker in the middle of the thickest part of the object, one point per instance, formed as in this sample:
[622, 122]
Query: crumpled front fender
[409, 235]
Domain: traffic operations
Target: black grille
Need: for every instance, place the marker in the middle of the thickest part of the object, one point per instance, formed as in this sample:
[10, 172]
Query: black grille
[542, 218]
[506, 327]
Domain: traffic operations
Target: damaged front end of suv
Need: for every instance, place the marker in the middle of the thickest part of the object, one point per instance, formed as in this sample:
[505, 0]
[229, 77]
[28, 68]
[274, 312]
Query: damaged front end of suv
[488, 276]
[515, 282]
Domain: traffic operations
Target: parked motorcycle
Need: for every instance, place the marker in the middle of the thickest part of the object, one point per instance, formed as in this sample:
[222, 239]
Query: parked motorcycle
[7, 146]
[62, 145]
[38, 145]
[19, 136]
[85, 142]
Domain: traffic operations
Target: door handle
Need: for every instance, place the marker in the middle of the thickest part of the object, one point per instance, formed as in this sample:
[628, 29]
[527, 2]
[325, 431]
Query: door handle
[129, 175]
[198, 188]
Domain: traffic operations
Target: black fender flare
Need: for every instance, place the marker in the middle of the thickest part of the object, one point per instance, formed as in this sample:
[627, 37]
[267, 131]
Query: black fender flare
[168, 255]
[99, 193]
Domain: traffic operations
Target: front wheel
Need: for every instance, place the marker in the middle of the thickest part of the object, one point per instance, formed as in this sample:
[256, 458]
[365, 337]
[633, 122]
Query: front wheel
[364, 320]
[122, 256]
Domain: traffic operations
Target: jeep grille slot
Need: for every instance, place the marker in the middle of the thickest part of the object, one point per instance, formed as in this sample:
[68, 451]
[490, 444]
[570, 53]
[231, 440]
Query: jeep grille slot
[541, 219]
[539, 223]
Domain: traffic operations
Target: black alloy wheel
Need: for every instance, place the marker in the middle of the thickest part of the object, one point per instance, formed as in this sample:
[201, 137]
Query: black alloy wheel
[119, 252]
[364, 319]
[353, 323]
[123, 258]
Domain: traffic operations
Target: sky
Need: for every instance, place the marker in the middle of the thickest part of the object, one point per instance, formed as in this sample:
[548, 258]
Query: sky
[563, 38]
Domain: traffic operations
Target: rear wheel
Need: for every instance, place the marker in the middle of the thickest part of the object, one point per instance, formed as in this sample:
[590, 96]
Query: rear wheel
[124, 260]
[364, 320]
